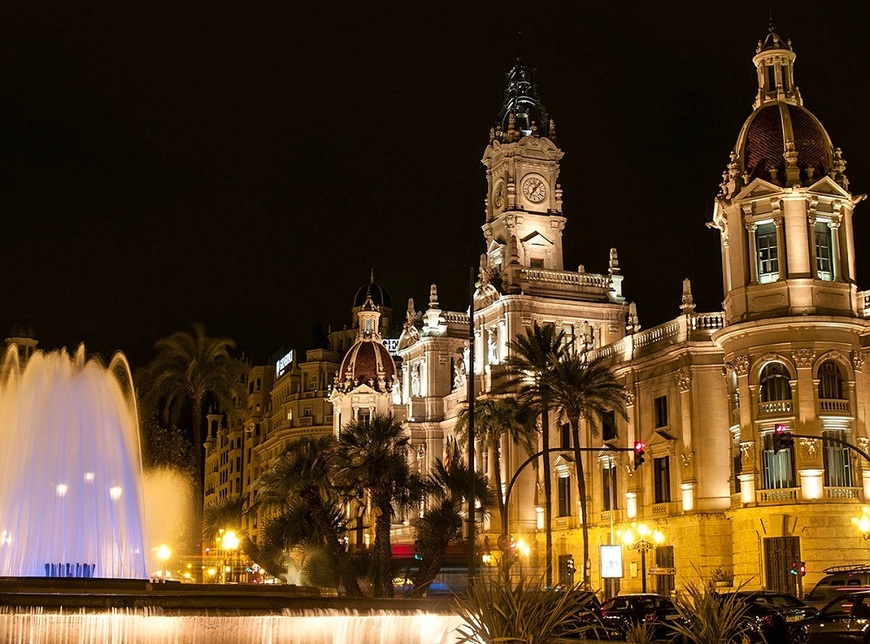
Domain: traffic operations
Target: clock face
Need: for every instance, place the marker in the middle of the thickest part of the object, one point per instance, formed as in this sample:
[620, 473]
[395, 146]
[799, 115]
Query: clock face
[534, 189]
[498, 196]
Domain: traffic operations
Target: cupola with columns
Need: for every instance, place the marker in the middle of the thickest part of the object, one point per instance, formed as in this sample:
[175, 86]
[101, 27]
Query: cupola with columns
[784, 210]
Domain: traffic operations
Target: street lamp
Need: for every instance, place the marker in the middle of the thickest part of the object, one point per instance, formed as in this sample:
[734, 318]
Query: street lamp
[643, 539]
[163, 554]
[863, 522]
[230, 542]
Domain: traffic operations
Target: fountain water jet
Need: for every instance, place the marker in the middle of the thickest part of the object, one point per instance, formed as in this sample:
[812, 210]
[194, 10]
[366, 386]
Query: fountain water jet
[71, 492]
[70, 468]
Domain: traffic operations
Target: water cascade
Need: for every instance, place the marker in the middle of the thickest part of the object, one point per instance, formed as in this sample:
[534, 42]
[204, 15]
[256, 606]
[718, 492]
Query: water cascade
[70, 468]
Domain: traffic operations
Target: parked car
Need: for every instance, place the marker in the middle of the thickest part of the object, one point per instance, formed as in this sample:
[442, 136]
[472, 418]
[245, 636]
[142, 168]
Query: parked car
[592, 622]
[839, 580]
[770, 614]
[844, 619]
[622, 611]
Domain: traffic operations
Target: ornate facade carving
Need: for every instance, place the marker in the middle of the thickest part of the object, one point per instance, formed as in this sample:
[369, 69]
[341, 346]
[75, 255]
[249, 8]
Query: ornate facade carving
[804, 358]
[747, 454]
[741, 365]
[684, 380]
[808, 447]
[857, 360]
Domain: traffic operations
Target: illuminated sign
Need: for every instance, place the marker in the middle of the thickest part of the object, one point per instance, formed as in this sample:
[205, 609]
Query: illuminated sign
[611, 562]
[392, 344]
[283, 363]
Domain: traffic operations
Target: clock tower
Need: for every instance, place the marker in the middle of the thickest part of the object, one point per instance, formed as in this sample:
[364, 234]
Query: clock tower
[524, 204]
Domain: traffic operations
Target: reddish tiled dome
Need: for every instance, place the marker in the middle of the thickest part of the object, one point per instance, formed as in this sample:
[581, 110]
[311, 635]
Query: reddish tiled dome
[367, 361]
[761, 146]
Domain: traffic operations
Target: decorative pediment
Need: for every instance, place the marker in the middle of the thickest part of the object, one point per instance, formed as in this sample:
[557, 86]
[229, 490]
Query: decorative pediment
[536, 239]
[758, 188]
[827, 186]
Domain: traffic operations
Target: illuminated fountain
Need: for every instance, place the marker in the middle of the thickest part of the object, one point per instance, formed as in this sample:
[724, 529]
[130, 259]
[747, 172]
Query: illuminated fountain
[70, 468]
[72, 542]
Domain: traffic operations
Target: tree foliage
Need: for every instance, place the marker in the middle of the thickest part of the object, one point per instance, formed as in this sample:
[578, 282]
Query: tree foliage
[372, 461]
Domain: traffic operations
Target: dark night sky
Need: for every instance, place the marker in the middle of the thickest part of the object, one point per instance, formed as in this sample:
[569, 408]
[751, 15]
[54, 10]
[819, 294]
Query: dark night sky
[246, 164]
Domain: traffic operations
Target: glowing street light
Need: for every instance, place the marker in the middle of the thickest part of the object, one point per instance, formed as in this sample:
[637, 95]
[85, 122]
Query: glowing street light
[643, 539]
[863, 522]
[163, 554]
[230, 542]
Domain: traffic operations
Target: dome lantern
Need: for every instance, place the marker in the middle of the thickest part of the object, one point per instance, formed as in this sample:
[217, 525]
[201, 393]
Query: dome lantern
[774, 62]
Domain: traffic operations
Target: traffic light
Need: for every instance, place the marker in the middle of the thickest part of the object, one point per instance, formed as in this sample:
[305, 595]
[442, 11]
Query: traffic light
[638, 453]
[782, 438]
[798, 568]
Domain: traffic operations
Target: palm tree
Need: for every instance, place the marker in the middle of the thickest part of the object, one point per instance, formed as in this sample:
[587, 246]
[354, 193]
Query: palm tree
[189, 370]
[495, 418]
[442, 521]
[300, 490]
[583, 389]
[372, 460]
[532, 356]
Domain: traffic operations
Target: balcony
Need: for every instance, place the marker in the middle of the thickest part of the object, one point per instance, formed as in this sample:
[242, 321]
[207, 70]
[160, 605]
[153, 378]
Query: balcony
[780, 495]
[661, 510]
[775, 407]
[833, 406]
[840, 493]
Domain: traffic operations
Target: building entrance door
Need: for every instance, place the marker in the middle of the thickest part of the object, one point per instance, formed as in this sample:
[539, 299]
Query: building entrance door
[779, 553]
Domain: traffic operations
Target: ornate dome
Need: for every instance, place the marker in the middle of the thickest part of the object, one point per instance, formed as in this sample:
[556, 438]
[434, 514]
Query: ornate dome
[778, 133]
[367, 362]
[782, 141]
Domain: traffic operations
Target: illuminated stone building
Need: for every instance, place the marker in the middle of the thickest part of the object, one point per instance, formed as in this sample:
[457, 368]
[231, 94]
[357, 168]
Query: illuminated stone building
[706, 392]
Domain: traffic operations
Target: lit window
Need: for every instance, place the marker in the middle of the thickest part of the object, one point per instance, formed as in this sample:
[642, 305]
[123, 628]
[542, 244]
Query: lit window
[830, 381]
[775, 383]
[838, 465]
[564, 496]
[778, 467]
[661, 411]
[824, 254]
[609, 494]
[662, 479]
[768, 253]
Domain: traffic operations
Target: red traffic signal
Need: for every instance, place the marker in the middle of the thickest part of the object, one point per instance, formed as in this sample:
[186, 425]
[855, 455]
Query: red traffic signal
[638, 453]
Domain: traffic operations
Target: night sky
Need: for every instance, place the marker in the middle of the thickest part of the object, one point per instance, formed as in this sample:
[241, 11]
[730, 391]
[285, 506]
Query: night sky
[246, 164]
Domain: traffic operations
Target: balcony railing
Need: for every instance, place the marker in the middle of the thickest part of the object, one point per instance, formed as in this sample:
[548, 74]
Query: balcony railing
[695, 326]
[832, 405]
[662, 509]
[842, 493]
[781, 495]
[775, 407]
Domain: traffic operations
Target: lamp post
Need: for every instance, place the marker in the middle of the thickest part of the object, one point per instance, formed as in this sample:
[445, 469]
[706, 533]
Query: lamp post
[642, 538]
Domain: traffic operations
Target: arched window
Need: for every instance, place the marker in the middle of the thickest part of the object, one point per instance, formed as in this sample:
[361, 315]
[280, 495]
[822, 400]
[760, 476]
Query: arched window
[775, 382]
[830, 381]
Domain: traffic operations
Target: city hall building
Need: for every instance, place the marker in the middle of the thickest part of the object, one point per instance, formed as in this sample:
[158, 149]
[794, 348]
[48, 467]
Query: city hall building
[708, 393]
